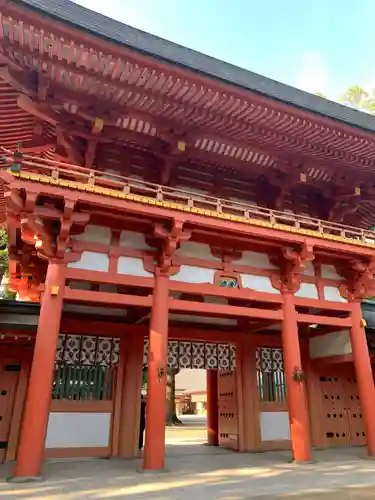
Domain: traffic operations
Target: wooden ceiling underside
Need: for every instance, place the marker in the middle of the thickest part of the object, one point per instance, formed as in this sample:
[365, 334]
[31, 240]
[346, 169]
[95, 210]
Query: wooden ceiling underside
[61, 97]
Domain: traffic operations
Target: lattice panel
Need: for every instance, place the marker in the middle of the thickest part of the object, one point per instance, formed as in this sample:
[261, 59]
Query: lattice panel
[228, 409]
[269, 360]
[88, 350]
[270, 374]
[205, 355]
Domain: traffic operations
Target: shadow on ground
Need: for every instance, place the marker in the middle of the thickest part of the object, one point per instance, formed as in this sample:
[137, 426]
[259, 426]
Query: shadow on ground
[200, 472]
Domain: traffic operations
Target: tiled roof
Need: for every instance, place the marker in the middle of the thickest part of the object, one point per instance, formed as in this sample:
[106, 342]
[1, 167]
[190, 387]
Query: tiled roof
[84, 19]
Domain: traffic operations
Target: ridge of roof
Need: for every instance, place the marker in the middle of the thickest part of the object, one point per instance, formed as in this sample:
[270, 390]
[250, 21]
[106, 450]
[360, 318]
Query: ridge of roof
[69, 12]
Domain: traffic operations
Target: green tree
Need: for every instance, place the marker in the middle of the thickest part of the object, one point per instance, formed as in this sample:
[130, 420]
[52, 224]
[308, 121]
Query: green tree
[3, 253]
[357, 97]
[4, 266]
[171, 413]
[171, 417]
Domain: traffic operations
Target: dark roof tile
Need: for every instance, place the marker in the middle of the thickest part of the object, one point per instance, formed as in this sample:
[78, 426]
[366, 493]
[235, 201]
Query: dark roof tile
[119, 33]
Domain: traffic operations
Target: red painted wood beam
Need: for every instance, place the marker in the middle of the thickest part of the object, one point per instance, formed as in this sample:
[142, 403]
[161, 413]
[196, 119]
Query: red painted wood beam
[221, 310]
[112, 299]
[108, 278]
[323, 320]
[322, 304]
[230, 293]
[220, 226]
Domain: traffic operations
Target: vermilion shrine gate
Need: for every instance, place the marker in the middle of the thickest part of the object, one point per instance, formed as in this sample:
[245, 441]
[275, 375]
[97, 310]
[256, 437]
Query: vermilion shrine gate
[154, 192]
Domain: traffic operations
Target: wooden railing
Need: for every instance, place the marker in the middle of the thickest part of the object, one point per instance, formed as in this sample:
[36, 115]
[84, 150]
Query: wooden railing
[60, 170]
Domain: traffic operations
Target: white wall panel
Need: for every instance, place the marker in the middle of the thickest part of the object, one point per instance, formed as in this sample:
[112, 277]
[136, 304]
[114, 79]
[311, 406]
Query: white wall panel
[78, 430]
[95, 234]
[333, 293]
[133, 267]
[308, 291]
[134, 240]
[331, 344]
[329, 272]
[92, 261]
[274, 426]
[192, 274]
[255, 259]
[258, 283]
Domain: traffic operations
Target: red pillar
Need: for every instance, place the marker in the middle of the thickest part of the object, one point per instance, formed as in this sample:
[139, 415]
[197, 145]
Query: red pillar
[296, 392]
[212, 409]
[154, 454]
[39, 393]
[363, 370]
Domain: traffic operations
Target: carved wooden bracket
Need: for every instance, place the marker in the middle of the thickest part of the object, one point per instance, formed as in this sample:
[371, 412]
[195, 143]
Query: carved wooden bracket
[291, 266]
[360, 280]
[171, 239]
[45, 231]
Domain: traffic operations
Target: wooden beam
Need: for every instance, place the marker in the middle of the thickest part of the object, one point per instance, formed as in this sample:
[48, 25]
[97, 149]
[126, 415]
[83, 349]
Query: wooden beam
[112, 299]
[220, 310]
[224, 228]
[231, 293]
[109, 278]
[323, 320]
[322, 304]
[40, 111]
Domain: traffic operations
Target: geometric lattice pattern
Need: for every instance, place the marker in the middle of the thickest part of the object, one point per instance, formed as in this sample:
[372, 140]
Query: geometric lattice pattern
[88, 350]
[270, 374]
[269, 360]
[205, 355]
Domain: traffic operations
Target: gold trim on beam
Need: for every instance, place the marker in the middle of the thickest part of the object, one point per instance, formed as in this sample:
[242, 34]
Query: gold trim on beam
[184, 208]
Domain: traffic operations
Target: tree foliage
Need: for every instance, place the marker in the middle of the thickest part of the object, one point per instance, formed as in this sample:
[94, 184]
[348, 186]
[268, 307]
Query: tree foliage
[4, 265]
[3, 250]
[358, 98]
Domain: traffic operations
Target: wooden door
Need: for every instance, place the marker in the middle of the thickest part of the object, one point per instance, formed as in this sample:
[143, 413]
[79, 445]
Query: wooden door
[335, 417]
[228, 409]
[354, 411]
[8, 386]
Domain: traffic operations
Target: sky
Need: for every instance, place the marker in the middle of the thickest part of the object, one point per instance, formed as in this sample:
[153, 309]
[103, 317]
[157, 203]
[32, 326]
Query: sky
[318, 45]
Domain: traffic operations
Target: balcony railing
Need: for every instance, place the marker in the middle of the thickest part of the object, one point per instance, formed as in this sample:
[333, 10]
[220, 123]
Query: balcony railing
[56, 171]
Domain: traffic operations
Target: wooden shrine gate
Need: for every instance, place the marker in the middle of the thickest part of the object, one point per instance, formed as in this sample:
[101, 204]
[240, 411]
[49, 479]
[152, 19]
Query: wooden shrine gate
[342, 416]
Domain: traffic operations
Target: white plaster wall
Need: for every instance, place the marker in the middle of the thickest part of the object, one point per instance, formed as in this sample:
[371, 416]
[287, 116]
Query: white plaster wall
[274, 426]
[195, 250]
[329, 272]
[132, 266]
[309, 269]
[332, 293]
[258, 283]
[255, 259]
[95, 234]
[192, 274]
[92, 261]
[331, 344]
[134, 240]
[78, 430]
[308, 291]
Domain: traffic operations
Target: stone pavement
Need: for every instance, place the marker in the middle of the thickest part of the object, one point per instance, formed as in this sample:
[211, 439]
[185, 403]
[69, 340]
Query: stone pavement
[199, 472]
